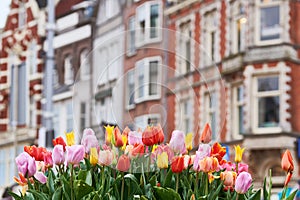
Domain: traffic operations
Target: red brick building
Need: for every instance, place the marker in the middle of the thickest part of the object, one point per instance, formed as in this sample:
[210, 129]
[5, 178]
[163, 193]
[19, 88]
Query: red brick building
[237, 67]
[21, 73]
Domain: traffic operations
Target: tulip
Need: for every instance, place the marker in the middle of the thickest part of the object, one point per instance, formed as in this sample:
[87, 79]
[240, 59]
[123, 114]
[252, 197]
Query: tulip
[125, 141]
[134, 137]
[105, 157]
[40, 176]
[93, 156]
[58, 155]
[108, 133]
[228, 177]
[243, 182]
[161, 136]
[162, 160]
[138, 149]
[128, 150]
[238, 153]
[48, 159]
[59, 141]
[177, 142]
[117, 138]
[189, 141]
[187, 159]
[218, 151]
[150, 136]
[204, 150]
[26, 164]
[89, 140]
[288, 178]
[287, 163]
[36, 152]
[75, 154]
[123, 163]
[177, 165]
[126, 131]
[208, 164]
[70, 138]
[22, 181]
[242, 168]
[206, 134]
[164, 148]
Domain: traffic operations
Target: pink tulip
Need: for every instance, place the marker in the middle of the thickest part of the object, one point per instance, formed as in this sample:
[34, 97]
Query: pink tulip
[243, 168]
[48, 159]
[26, 164]
[40, 176]
[75, 154]
[164, 148]
[123, 163]
[89, 140]
[243, 182]
[203, 151]
[177, 142]
[58, 156]
[228, 166]
[105, 157]
[134, 137]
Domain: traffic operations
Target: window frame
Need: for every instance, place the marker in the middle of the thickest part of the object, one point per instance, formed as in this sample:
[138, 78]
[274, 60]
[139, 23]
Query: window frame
[209, 110]
[236, 104]
[128, 105]
[85, 61]
[131, 36]
[187, 116]
[70, 68]
[259, 6]
[69, 117]
[256, 95]
[22, 15]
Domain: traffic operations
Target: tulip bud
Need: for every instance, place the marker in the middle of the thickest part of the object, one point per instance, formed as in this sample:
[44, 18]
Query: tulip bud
[238, 153]
[177, 142]
[108, 133]
[93, 156]
[162, 160]
[228, 177]
[123, 164]
[89, 140]
[189, 141]
[59, 141]
[58, 155]
[208, 164]
[70, 138]
[105, 157]
[243, 182]
[287, 163]
[177, 164]
[206, 134]
[26, 164]
[75, 154]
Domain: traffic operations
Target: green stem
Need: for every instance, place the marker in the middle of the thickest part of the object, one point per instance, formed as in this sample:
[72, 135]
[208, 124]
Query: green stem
[71, 182]
[122, 189]
[177, 182]
[196, 183]
[102, 176]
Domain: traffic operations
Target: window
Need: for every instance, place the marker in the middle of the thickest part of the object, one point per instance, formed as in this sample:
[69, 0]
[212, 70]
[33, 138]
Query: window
[130, 88]
[32, 113]
[22, 15]
[147, 79]
[210, 37]
[267, 97]
[269, 28]
[146, 120]
[185, 47]
[210, 104]
[32, 58]
[56, 121]
[148, 22]
[69, 73]
[69, 117]
[83, 116]
[186, 111]
[237, 111]
[84, 65]
[131, 36]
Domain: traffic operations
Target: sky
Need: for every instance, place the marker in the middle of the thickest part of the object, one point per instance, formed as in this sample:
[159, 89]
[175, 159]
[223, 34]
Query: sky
[4, 9]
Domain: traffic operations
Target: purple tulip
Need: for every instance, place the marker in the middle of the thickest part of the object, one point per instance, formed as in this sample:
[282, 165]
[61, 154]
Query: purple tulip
[243, 182]
[58, 156]
[26, 164]
[203, 151]
[177, 142]
[89, 140]
[134, 137]
[75, 154]
[40, 176]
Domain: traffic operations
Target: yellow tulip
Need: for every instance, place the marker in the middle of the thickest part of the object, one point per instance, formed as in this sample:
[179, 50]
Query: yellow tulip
[70, 138]
[93, 156]
[109, 131]
[238, 153]
[124, 140]
[189, 141]
[162, 160]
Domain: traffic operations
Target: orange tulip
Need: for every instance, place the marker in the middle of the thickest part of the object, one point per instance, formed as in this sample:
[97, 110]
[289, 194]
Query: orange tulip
[177, 165]
[117, 138]
[123, 163]
[206, 134]
[287, 163]
[208, 164]
[218, 151]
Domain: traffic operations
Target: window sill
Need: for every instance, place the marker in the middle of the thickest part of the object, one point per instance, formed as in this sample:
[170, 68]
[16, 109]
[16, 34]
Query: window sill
[148, 41]
[130, 107]
[268, 42]
[270, 130]
[148, 98]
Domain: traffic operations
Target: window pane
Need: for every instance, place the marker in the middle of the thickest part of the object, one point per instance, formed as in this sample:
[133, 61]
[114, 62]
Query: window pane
[240, 93]
[152, 121]
[241, 119]
[213, 124]
[130, 88]
[268, 108]
[268, 84]
[141, 78]
[154, 20]
[188, 55]
[153, 77]
[21, 98]
[270, 28]
[131, 39]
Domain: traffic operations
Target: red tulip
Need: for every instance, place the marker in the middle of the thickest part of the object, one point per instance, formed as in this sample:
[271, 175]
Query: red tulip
[150, 136]
[59, 140]
[206, 134]
[123, 164]
[287, 163]
[138, 149]
[35, 152]
[218, 151]
[48, 159]
[117, 138]
[161, 136]
[177, 164]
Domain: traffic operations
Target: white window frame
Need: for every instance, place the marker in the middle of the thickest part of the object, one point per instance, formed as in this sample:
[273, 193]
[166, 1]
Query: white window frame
[146, 83]
[146, 38]
[236, 104]
[68, 70]
[85, 66]
[131, 36]
[256, 95]
[260, 5]
[128, 105]
[143, 119]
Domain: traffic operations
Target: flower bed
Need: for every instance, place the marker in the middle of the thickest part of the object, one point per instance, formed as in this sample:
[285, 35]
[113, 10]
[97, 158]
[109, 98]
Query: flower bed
[137, 165]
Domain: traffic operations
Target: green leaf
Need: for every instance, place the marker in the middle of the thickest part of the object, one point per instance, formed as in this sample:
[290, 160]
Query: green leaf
[50, 182]
[85, 176]
[57, 194]
[132, 183]
[168, 181]
[81, 189]
[255, 196]
[153, 180]
[66, 188]
[29, 196]
[265, 192]
[38, 194]
[14, 195]
[213, 196]
[292, 196]
[166, 193]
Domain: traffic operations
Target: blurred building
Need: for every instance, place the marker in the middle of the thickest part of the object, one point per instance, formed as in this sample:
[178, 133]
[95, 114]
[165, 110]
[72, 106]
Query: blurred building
[254, 45]
[108, 59]
[21, 73]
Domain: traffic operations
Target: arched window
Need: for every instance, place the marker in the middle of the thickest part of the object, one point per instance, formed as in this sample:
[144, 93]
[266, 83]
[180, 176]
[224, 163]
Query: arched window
[69, 73]
[84, 65]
